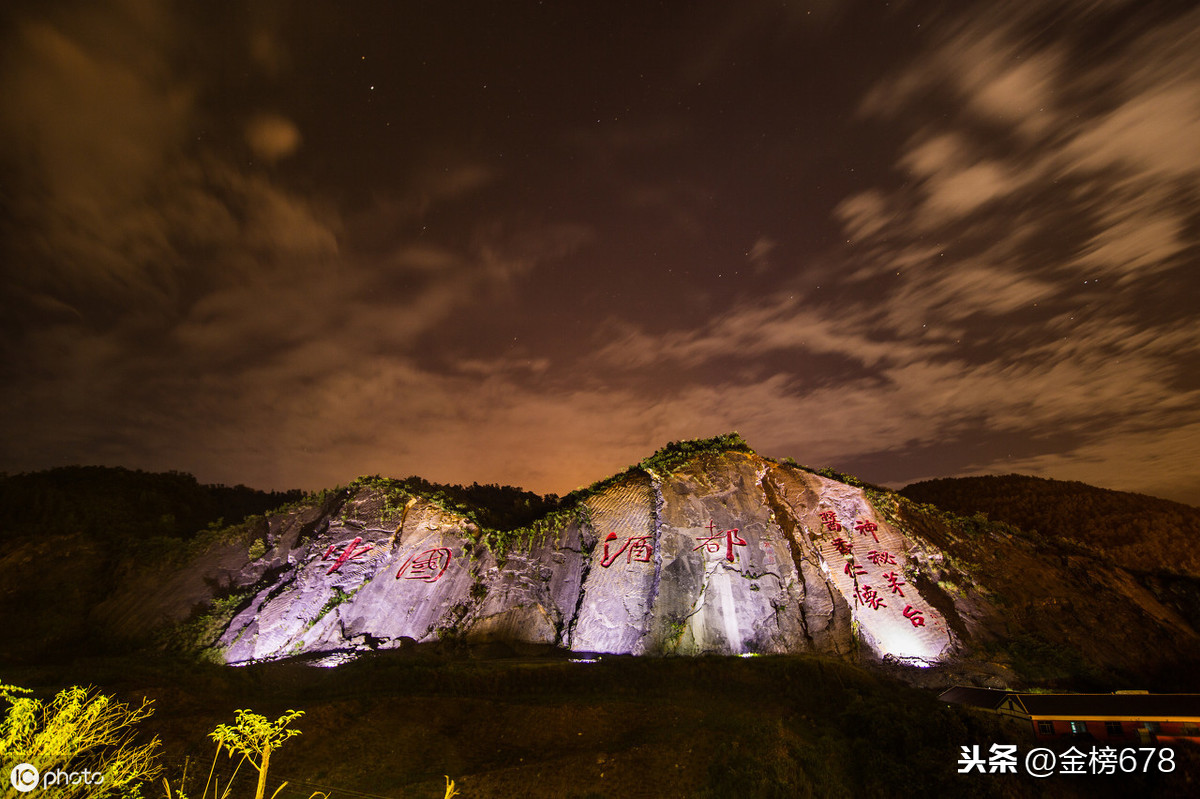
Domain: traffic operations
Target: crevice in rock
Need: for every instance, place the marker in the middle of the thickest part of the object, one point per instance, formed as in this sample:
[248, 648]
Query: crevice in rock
[786, 522]
[567, 632]
[656, 532]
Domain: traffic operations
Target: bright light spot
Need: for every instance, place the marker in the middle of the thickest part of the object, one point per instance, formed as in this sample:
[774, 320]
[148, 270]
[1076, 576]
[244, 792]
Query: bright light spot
[899, 641]
[333, 659]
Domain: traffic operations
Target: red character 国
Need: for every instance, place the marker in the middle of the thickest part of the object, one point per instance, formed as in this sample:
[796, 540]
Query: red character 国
[894, 582]
[829, 519]
[351, 552]
[864, 526]
[843, 546]
[428, 566]
[638, 547]
[869, 596]
[914, 615]
[881, 558]
[712, 543]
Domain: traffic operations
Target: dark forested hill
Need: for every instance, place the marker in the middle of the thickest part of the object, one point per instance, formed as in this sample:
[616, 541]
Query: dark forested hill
[1140, 531]
[112, 503]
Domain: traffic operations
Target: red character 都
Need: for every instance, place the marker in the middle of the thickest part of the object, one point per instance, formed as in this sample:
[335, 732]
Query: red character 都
[712, 543]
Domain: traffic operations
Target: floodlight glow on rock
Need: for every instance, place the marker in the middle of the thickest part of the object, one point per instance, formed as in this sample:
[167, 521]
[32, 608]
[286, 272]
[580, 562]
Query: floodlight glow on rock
[733, 556]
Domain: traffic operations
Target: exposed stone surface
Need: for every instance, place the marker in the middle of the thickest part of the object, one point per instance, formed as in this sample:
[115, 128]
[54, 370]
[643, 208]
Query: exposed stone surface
[622, 570]
[725, 553]
[729, 554]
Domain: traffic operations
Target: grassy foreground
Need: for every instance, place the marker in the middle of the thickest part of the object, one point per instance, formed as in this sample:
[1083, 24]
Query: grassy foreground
[393, 725]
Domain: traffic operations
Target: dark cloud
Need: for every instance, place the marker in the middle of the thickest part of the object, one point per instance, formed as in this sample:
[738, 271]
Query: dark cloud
[529, 247]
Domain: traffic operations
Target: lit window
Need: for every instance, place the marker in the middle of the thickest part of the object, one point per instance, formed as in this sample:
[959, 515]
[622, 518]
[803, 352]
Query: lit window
[1078, 727]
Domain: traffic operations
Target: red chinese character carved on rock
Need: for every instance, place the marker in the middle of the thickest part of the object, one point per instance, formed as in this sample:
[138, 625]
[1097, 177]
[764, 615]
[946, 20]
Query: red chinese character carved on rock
[351, 552]
[914, 615]
[829, 518]
[864, 526]
[881, 557]
[638, 547]
[713, 544]
[870, 596]
[428, 566]
[853, 569]
[894, 582]
[842, 546]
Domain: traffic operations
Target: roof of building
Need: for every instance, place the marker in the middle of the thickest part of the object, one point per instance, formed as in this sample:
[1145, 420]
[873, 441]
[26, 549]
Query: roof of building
[1111, 706]
[986, 698]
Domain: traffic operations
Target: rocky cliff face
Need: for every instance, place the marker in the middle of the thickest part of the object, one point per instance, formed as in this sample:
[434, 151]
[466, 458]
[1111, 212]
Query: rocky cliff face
[729, 554]
[704, 548]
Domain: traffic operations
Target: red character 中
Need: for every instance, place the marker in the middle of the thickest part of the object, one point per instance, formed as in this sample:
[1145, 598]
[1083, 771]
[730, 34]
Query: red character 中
[351, 552]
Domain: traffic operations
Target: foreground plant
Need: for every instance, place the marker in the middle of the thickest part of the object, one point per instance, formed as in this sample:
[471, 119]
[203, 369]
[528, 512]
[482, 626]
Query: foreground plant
[82, 733]
[254, 737]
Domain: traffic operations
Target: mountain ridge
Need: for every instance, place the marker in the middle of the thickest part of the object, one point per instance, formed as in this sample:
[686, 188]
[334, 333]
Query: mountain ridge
[1013, 606]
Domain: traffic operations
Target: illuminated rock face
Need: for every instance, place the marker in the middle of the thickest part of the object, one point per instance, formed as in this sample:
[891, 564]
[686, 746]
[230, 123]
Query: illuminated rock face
[865, 560]
[730, 554]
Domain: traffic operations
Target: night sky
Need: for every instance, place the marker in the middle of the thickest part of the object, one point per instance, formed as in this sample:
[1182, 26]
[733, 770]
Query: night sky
[286, 244]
